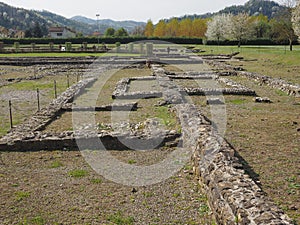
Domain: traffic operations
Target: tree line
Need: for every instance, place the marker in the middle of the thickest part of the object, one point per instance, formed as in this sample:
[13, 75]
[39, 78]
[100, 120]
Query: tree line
[283, 27]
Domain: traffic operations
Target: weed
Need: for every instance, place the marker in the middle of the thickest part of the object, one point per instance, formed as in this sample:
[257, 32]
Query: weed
[20, 195]
[131, 161]
[78, 173]
[96, 181]
[56, 164]
[176, 195]
[281, 93]
[148, 194]
[204, 209]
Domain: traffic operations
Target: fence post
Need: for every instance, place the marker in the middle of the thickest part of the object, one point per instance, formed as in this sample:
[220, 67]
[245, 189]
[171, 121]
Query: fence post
[68, 80]
[10, 114]
[38, 98]
[55, 93]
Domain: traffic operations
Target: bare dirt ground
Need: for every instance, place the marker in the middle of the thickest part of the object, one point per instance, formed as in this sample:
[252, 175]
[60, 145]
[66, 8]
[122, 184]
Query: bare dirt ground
[60, 188]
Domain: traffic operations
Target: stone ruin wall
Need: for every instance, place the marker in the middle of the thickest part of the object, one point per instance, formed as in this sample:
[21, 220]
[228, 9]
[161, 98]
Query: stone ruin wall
[233, 196]
[277, 83]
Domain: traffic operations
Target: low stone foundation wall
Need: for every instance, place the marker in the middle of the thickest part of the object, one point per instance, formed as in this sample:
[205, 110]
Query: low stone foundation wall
[164, 80]
[68, 141]
[277, 83]
[287, 87]
[44, 117]
[233, 196]
[114, 107]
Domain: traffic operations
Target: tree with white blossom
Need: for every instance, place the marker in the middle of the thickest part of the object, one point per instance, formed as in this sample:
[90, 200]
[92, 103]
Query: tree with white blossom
[241, 28]
[296, 19]
[218, 27]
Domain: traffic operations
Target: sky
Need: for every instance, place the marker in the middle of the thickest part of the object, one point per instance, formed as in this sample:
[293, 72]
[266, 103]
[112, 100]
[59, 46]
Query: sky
[138, 10]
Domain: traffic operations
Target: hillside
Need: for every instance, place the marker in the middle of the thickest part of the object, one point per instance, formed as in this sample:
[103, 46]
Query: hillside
[253, 7]
[128, 24]
[22, 19]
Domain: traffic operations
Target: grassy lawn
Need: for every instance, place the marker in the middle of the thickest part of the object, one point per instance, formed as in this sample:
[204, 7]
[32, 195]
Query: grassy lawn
[274, 61]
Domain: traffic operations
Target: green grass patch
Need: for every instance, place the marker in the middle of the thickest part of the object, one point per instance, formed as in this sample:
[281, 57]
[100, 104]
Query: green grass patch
[131, 161]
[119, 219]
[56, 164]
[167, 117]
[78, 173]
[281, 93]
[203, 209]
[238, 101]
[52, 54]
[96, 181]
[38, 220]
[31, 85]
[21, 195]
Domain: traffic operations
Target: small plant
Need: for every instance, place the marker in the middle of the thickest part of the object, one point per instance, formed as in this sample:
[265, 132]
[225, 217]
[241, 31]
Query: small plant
[37, 220]
[176, 195]
[131, 161]
[96, 181]
[281, 93]
[204, 209]
[148, 194]
[20, 195]
[56, 164]
[78, 173]
[119, 219]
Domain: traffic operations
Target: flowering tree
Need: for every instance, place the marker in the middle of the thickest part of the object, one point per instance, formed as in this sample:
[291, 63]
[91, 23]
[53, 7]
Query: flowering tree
[218, 27]
[241, 27]
[296, 19]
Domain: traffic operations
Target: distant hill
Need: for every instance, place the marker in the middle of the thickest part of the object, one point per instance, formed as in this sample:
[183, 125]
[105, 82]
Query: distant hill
[128, 24]
[253, 7]
[22, 19]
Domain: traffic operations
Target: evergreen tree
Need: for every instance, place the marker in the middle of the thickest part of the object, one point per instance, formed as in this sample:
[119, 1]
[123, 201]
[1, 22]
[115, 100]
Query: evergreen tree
[110, 32]
[37, 31]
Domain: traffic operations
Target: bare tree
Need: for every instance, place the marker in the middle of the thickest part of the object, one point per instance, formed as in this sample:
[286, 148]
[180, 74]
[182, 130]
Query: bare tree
[282, 26]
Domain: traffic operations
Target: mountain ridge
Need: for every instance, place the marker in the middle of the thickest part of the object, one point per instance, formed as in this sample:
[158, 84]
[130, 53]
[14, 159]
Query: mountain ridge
[22, 19]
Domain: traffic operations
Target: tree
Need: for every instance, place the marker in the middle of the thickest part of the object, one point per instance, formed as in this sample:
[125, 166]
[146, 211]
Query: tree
[172, 28]
[218, 27]
[282, 27]
[110, 32]
[149, 29]
[121, 33]
[261, 26]
[37, 31]
[199, 27]
[138, 31]
[160, 29]
[185, 27]
[296, 19]
[240, 28]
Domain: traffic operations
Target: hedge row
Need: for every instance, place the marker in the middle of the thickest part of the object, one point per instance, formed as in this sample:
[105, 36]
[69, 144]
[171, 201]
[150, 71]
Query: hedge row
[94, 40]
[249, 42]
[126, 40]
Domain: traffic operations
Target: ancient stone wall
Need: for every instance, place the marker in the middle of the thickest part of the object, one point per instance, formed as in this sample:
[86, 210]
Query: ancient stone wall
[233, 196]
[277, 83]
[46, 115]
